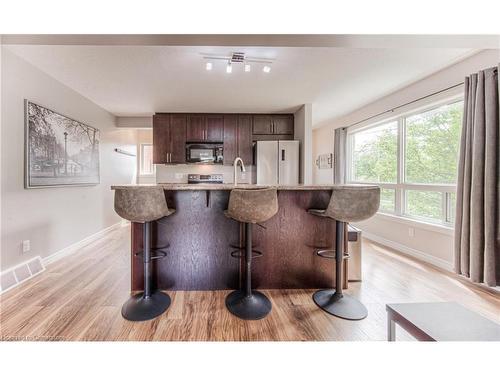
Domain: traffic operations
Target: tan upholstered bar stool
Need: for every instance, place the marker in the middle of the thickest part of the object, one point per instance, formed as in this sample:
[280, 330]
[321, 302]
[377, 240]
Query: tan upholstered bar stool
[144, 205]
[348, 203]
[250, 206]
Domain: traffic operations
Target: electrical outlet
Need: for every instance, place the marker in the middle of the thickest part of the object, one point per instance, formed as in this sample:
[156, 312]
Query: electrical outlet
[179, 176]
[26, 246]
[411, 232]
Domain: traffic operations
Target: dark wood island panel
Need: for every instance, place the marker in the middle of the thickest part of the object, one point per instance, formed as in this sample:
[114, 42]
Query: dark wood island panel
[200, 239]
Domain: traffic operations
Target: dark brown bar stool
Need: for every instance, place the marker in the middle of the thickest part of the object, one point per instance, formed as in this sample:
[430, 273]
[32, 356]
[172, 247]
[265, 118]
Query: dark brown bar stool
[250, 206]
[144, 205]
[348, 203]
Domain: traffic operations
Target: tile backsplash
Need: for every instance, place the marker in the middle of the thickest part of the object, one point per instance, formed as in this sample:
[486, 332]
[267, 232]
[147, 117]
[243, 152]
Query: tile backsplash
[179, 173]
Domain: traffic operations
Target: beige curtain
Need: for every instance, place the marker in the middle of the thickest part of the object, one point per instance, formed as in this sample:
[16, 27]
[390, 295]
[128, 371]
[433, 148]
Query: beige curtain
[339, 153]
[477, 224]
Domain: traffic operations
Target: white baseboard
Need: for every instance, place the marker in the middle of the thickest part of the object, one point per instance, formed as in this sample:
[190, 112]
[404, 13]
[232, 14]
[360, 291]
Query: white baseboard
[78, 245]
[435, 261]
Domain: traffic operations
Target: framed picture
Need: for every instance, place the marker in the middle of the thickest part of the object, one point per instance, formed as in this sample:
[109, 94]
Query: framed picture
[59, 151]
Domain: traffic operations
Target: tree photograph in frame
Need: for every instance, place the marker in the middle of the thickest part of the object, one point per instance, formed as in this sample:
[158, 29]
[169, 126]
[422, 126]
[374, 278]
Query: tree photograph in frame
[60, 151]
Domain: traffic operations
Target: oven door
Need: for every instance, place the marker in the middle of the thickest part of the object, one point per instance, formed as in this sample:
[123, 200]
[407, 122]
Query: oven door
[200, 154]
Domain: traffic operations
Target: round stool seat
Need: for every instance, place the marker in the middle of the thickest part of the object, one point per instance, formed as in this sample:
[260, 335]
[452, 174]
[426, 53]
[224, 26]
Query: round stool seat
[350, 203]
[252, 205]
[141, 204]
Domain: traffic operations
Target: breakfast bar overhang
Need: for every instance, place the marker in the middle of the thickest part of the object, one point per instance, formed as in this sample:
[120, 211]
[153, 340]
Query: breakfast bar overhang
[199, 240]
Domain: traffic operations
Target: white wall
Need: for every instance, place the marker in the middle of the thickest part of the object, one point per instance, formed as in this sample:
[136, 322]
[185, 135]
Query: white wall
[433, 246]
[303, 133]
[53, 218]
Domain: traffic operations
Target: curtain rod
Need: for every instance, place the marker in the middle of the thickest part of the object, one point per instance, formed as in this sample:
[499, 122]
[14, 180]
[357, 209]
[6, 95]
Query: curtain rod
[402, 105]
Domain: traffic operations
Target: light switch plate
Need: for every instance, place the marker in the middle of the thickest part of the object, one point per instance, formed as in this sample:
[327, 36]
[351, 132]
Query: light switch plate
[411, 232]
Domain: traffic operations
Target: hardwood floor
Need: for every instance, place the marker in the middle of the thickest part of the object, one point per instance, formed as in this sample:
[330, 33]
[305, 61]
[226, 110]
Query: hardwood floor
[80, 297]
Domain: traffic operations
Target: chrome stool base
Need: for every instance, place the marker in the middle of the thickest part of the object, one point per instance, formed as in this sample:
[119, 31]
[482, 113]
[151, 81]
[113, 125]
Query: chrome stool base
[340, 305]
[139, 308]
[249, 307]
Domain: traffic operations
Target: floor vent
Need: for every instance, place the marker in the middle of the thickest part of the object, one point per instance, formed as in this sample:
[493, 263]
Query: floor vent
[16, 275]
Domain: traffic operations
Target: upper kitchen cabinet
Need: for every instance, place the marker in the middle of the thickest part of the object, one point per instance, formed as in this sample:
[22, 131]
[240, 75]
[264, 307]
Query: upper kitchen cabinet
[238, 138]
[169, 138]
[215, 128]
[273, 124]
[196, 128]
[283, 124]
[161, 138]
[205, 128]
[178, 129]
[262, 124]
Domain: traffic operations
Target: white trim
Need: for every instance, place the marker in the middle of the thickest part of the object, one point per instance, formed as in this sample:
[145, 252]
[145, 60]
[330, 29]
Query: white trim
[434, 227]
[140, 159]
[78, 245]
[426, 104]
[435, 261]
[13, 268]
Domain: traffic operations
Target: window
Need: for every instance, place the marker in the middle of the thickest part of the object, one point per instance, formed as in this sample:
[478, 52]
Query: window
[146, 166]
[414, 160]
[375, 154]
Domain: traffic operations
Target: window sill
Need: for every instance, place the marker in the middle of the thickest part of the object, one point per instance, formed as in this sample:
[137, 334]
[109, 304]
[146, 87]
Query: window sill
[449, 231]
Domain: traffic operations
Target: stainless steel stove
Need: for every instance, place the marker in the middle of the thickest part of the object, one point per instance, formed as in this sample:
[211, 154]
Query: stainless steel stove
[205, 178]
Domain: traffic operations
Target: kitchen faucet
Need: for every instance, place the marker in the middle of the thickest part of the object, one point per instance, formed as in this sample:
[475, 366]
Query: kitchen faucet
[242, 165]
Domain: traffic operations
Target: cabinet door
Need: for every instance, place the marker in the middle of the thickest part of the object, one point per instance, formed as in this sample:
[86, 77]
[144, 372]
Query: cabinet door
[161, 138]
[230, 138]
[178, 125]
[215, 128]
[196, 128]
[283, 124]
[262, 124]
[245, 147]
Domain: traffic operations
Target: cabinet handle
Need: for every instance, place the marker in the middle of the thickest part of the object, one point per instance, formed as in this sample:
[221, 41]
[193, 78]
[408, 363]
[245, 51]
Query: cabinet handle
[170, 157]
[272, 127]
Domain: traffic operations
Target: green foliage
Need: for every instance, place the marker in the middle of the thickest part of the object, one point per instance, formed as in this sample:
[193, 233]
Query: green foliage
[431, 151]
[387, 200]
[432, 142]
[375, 154]
[424, 204]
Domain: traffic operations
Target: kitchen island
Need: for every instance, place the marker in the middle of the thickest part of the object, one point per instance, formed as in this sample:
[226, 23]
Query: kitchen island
[200, 239]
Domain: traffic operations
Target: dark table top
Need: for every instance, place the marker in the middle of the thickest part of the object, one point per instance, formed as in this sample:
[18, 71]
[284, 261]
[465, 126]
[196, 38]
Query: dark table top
[446, 321]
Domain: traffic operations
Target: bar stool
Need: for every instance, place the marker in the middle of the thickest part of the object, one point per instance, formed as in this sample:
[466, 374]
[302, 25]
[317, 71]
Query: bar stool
[252, 206]
[348, 203]
[144, 205]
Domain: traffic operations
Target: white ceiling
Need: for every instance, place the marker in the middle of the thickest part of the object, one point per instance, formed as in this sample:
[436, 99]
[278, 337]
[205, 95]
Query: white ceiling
[141, 80]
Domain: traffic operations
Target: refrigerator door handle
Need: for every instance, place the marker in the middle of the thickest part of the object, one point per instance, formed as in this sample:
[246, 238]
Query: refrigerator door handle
[282, 154]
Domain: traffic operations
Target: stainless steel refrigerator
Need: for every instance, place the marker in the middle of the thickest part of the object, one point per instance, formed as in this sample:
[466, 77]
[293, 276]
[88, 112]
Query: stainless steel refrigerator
[277, 162]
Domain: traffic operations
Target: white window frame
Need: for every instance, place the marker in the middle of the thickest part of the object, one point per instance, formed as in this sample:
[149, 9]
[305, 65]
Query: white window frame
[400, 187]
[141, 159]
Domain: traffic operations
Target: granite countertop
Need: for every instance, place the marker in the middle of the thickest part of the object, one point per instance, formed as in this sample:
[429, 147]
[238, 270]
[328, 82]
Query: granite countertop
[177, 186]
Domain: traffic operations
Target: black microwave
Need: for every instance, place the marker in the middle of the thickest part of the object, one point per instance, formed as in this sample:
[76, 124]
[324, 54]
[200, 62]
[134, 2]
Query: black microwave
[209, 153]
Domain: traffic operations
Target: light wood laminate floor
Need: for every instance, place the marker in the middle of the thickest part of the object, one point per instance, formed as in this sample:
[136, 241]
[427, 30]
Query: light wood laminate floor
[80, 297]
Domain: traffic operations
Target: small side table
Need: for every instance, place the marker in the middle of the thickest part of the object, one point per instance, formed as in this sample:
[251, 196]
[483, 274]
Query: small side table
[440, 321]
